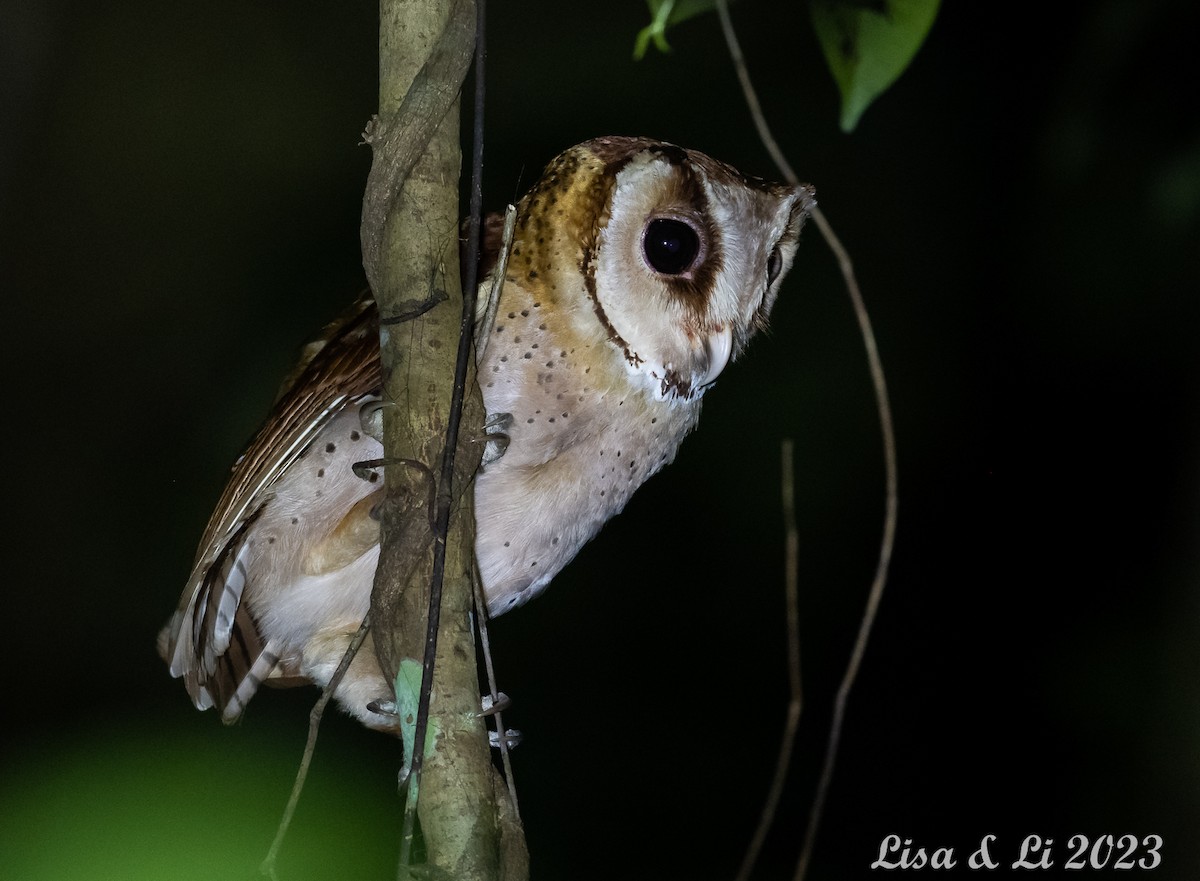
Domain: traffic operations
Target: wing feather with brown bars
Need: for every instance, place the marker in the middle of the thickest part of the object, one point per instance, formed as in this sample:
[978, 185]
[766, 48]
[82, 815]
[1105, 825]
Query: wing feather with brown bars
[212, 640]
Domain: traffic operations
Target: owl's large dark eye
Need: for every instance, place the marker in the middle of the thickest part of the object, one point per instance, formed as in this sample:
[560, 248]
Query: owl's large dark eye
[774, 264]
[670, 246]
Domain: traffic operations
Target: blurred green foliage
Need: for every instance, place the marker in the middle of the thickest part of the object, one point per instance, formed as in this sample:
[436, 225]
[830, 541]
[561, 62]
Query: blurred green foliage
[147, 803]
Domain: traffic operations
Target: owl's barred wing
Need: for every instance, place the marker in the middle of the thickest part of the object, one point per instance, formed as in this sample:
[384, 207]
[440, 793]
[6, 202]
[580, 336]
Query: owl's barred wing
[343, 368]
[225, 642]
[330, 332]
[212, 640]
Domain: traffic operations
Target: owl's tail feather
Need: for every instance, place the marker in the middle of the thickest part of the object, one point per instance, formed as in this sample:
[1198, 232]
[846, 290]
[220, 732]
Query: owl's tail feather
[213, 641]
[246, 679]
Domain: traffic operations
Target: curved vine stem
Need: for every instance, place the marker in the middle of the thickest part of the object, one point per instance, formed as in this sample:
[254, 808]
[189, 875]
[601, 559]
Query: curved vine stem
[886, 429]
[314, 726]
[787, 740]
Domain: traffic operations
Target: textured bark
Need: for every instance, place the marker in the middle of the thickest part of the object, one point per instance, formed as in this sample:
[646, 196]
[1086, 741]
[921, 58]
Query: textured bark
[410, 252]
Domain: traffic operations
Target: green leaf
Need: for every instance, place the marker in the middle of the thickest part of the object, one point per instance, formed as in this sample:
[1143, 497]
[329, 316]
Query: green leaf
[665, 14]
[868, 44]
[408, 699]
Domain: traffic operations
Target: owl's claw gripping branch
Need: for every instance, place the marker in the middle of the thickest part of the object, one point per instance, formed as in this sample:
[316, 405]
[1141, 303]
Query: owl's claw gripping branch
[370, 418]
[491, 707]
[495, 438]
[487, 706]
[383, 707]
[512, 738]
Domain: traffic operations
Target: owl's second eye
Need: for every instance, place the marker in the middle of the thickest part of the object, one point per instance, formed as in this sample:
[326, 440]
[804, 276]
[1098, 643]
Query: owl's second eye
[774, 264]
[671, 246]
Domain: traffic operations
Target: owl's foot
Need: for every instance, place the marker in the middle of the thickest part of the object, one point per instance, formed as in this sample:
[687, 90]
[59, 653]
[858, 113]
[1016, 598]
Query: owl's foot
[488, 707]
[495, 437]
[511, 738]
[370, 417]
[492, 707]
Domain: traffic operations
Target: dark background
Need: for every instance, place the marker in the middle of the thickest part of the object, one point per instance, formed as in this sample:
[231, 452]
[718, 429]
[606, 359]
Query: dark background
[180, 196]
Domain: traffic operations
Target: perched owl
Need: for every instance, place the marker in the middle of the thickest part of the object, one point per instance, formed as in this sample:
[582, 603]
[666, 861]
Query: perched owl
[637, 271]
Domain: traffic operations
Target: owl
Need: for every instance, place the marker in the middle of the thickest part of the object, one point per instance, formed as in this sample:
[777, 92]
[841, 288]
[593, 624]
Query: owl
[637, 271]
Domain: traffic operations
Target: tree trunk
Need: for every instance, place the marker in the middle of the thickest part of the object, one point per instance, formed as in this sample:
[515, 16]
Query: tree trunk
[410, 253]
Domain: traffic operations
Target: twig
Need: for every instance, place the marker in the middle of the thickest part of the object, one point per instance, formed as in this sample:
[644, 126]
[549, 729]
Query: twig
[483, 332]
[486, 645]
[796, 704]
[482, 338]
[446, 477]
[885, 425]
[314, 725]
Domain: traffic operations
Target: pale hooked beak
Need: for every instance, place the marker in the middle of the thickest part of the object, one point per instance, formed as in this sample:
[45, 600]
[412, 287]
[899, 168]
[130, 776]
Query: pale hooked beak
[719, 348]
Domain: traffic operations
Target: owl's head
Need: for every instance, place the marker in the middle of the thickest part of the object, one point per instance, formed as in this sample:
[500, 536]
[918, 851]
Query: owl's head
[679, 256]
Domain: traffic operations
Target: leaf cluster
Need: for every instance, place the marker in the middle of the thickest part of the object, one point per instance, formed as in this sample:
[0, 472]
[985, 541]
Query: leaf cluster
[867, 43]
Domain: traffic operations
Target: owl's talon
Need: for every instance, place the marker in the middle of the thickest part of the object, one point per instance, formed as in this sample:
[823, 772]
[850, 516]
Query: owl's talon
[512, 737]
[499, 705]
[370, 417]
[493, 448]
[488, 706]
[495, 437]
[501, 421]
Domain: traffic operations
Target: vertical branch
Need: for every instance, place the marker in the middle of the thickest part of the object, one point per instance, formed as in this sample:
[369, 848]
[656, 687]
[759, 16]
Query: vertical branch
[410, 241]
